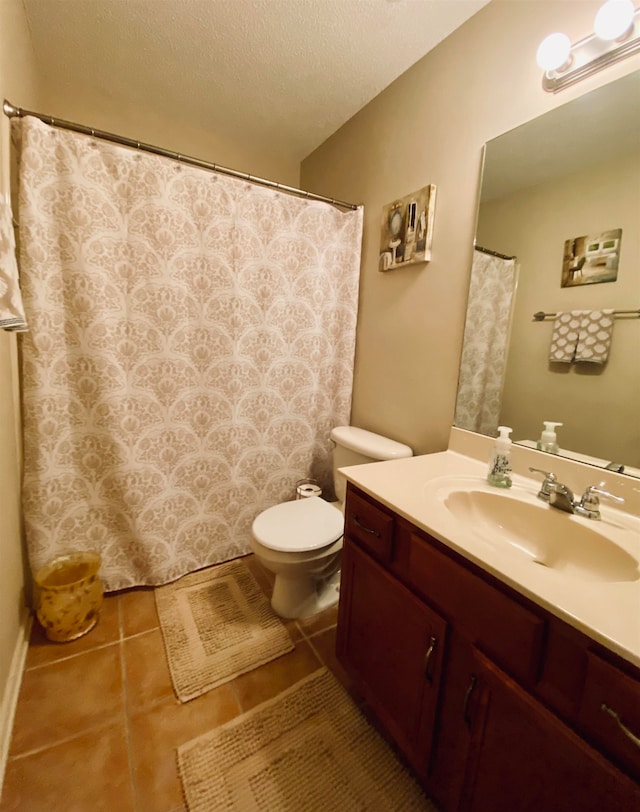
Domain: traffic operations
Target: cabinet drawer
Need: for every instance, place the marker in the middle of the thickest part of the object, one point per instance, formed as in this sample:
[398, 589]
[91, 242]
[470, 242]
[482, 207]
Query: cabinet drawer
[610, 712]
[506, 630]
[370, 526]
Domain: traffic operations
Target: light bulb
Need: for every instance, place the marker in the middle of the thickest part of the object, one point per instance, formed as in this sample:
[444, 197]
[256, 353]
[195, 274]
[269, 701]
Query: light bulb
[614, 19]
[553, 52]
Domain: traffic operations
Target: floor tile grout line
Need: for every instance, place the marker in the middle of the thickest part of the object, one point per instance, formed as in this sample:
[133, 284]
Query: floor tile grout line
[93, 648]
[127, 710]
[317, 653]
[128, 713]
[72, 656]
[120, 619]
[308, 637]
[147, 707]
[64, 740]
[127, 729]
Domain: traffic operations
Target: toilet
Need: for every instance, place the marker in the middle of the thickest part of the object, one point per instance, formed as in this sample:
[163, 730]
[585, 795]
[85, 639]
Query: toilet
[300, 541]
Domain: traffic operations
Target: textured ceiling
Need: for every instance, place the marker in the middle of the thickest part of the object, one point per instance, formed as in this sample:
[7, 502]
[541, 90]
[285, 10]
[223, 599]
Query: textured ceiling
[285, 72]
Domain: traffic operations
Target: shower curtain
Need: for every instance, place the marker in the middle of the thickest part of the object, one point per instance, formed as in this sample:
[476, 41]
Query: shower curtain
[191, 347]
[486, 336]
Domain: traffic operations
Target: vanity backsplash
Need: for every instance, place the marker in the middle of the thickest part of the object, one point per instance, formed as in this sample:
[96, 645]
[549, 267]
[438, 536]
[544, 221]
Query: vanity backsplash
[576, 475]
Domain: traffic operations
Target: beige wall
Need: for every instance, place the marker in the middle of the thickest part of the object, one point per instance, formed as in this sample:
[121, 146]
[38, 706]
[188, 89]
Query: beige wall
[429, 127]
[598, 405]
[166, 129]
[17, 80]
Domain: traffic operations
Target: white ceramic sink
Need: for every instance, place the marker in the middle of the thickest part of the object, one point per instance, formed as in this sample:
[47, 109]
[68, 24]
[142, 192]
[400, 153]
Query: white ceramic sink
[515, 521]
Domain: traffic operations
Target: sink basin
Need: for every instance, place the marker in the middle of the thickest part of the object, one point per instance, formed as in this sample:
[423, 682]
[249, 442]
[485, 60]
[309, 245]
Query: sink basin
[577, 547]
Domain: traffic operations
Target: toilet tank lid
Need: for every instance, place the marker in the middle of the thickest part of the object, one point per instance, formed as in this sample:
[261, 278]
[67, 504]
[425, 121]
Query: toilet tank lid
[371, 445]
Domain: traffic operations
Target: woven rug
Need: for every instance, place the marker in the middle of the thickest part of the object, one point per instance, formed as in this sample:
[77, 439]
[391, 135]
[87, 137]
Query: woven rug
[216, 624]
[307, 750]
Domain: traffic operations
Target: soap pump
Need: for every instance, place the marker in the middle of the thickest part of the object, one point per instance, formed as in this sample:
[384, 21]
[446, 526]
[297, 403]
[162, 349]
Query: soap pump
[548, 440]
[500, 462]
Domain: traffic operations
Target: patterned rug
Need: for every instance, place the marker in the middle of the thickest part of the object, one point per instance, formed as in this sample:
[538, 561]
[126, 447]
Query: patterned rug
[307, 750]
[216, 624]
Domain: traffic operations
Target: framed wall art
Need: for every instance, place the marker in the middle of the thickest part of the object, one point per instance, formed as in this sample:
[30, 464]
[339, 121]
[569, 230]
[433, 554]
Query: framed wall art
[591, 259]
[407, 229]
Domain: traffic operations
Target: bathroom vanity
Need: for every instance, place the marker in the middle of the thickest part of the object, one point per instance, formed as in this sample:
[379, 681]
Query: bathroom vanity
[499, 688]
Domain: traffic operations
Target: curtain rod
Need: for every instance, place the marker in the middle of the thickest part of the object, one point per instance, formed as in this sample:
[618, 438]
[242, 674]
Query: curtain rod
[11, 111]
[492, 253]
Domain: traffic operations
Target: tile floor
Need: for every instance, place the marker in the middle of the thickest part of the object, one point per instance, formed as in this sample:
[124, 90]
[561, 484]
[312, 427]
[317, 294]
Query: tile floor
[97, 722]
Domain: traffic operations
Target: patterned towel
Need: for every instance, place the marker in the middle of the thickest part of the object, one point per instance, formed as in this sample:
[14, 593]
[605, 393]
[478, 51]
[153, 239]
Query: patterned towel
[594, 341]
[564, 340]
[11, 309]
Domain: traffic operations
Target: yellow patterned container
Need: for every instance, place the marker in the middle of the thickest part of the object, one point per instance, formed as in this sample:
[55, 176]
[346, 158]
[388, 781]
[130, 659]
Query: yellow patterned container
[69, 595]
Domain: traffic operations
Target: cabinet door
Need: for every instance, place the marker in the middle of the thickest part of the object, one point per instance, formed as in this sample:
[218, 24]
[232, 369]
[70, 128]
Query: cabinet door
[524, 759]
[391, 644]
[610, 712]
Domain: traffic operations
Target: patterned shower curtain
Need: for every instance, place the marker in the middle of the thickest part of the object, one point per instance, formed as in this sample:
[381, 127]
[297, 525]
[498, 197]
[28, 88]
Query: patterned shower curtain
[191, 346]
[486, 338]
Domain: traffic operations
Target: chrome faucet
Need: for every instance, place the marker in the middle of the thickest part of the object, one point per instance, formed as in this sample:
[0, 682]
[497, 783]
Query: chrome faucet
[589, 504]
[549, 480]
[561, 497]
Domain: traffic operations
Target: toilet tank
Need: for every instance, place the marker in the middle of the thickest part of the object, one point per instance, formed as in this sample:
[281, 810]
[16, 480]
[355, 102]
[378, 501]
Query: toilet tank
[356, 446]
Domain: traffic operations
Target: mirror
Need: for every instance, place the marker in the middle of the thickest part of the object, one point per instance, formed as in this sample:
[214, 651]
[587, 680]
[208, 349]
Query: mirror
[568, 178]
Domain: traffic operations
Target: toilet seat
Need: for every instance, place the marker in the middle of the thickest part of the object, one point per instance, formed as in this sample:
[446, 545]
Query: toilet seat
[299, 526]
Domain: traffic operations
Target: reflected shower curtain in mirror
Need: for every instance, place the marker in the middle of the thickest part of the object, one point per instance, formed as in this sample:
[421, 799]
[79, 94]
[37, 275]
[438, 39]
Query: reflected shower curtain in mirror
[486, 336]
[191, 347]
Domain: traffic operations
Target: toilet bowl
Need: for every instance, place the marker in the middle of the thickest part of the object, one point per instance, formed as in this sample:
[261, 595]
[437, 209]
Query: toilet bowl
[300, 541]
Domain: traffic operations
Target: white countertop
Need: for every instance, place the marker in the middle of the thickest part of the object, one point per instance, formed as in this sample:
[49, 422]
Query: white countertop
[607, 611]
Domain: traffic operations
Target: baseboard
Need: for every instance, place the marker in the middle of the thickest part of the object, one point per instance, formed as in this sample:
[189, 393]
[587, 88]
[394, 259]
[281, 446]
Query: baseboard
[12, 690]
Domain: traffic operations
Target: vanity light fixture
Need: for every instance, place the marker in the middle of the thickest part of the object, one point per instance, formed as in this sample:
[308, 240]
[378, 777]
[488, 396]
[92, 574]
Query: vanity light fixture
[616, 36]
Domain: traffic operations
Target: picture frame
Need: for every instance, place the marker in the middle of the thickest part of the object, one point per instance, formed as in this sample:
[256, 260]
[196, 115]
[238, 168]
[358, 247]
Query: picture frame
[406, 232]
[591, 259]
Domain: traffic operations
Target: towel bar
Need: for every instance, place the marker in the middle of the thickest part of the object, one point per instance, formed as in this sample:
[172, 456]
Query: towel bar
[541, 315]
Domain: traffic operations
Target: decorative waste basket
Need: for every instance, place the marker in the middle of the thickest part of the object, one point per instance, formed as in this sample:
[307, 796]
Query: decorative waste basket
[69, 595]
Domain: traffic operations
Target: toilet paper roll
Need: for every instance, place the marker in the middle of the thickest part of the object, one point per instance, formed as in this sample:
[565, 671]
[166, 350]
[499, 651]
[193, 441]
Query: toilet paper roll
[306, 488]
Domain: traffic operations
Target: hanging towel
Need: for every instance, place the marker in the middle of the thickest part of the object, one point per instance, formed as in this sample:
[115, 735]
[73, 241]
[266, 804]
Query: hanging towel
[594, 340]
[11, 309]
[564, 340]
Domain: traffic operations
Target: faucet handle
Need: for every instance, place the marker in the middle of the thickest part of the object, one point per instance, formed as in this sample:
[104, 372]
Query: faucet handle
[549, 480]
[590, 500]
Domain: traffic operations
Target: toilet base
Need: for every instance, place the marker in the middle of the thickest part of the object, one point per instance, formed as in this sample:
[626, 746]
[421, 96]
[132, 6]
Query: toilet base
[304, 597]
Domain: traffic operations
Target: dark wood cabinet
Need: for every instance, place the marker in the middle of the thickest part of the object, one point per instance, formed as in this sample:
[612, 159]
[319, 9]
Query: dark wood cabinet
[496, 704]
[610, 712]
[397, 673]
[522, 757]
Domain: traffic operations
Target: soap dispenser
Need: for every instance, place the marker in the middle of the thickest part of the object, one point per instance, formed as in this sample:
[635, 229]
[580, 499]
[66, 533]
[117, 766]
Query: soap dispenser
[500, 460]
[548, 440]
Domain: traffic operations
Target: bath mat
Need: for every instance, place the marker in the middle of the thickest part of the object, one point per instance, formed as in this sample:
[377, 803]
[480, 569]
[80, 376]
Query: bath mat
[216, 624]
[307, 750]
